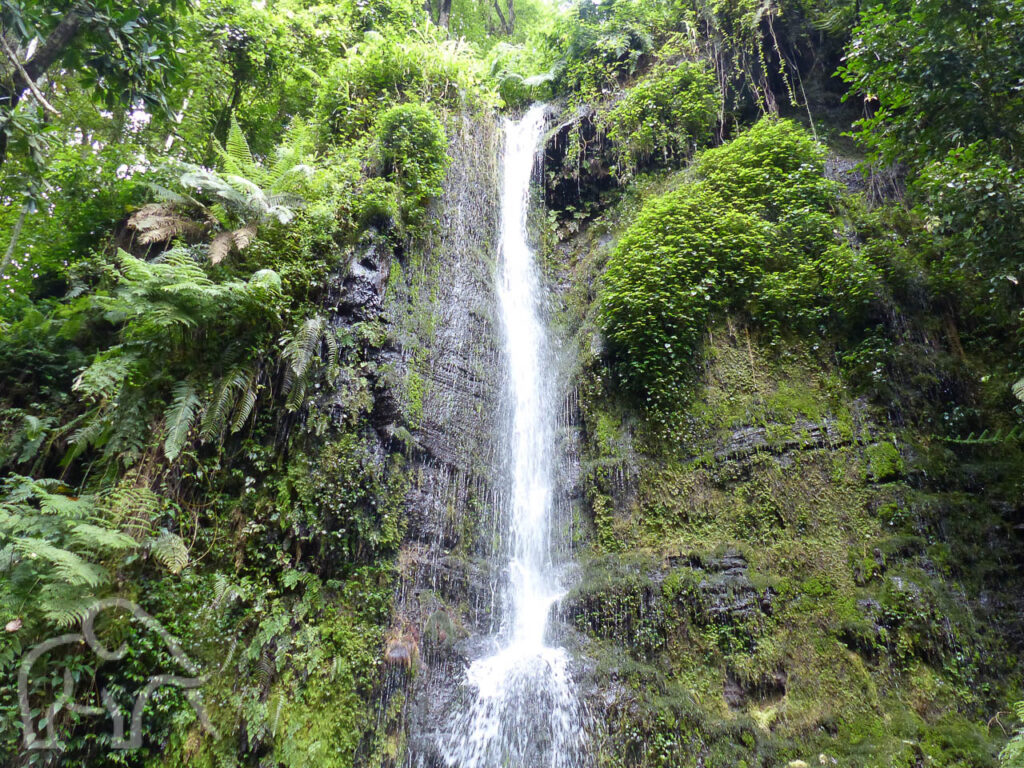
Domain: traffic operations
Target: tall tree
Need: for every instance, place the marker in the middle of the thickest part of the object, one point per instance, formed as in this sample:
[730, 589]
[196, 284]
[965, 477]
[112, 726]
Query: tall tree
[123, 52]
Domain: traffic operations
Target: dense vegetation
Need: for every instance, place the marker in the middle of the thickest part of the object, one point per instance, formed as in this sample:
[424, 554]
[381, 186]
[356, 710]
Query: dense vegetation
[196, 416]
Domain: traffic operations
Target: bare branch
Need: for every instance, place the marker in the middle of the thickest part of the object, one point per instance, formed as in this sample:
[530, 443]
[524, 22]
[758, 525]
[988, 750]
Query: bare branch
[28, 80]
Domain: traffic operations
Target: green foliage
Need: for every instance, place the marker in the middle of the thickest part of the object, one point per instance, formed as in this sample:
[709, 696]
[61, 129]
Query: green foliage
[146, 62]
[232, 205]
[919, 60]
[1012, 755]
[666, 276]
[755, 232]
[669, 113]
[974, 200]
[381, 72]
[165, 311]
[413, 152]
[53, 547]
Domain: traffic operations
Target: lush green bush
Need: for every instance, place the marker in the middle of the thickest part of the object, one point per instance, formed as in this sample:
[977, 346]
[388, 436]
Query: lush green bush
[413, 151]
[666, 276]
[380, 72]
[669, 113]
[754, 233]
[773, 169]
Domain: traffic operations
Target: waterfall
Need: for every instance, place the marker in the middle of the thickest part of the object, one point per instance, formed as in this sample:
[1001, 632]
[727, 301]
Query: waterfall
[522, 709]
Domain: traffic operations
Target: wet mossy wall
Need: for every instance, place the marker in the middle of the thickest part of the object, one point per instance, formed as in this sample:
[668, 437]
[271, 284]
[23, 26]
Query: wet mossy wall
[789, 574]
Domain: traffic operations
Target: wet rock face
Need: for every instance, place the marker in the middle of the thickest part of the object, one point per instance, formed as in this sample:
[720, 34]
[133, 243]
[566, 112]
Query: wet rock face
[363, 292]
[356, 292]
[451, 348]
[577, 162]
[724, 593]
[637, 604]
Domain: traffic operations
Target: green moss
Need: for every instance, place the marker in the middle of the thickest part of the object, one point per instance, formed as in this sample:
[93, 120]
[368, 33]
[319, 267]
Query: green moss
[884, 462]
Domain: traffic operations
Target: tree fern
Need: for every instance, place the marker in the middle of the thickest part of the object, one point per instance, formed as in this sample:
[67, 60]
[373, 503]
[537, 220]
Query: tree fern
[179, 418]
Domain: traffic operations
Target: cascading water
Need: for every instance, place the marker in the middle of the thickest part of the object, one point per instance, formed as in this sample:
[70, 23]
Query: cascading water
[523, 710]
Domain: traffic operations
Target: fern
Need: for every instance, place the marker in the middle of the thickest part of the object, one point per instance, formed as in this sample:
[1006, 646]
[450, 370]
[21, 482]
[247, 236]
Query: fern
[1012, 755]
[63, 506]
[67, 565]
[104, 377]
[179, 418]
[98, 539]
[131, 509]
[170, 550]
[245, 408]
[299, 351]
[52, 546]
[235, 154]
[236, 385]
[64, 605]
[1018, 389]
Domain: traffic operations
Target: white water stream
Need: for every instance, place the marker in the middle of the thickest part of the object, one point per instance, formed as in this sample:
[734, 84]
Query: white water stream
[523, 711]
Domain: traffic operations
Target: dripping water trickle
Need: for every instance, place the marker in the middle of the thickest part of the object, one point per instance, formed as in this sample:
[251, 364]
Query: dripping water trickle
[522, 709]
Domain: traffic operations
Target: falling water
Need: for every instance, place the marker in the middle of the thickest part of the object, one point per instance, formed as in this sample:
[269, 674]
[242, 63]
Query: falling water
[523, 710]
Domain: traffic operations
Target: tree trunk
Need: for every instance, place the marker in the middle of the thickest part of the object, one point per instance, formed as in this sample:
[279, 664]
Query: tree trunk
[507, 25]
[47, 53]
[55, 43]
[444, 14]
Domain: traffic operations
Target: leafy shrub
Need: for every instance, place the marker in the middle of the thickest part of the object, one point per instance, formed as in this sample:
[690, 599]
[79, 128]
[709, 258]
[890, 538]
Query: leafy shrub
[413, 151]
[379, 72]
[670, 112]
[753, 233]
[917, 61]
[771, 169]
[975, 201]
[666, 276]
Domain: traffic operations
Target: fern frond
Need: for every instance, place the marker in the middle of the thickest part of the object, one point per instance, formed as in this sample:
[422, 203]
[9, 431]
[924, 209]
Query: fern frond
[98, 538]
[235, 154]
[95, 432]
[106, 374]
[299, 351]
[224, 591]
[69, 567]
[63, 604]
[131, 508]
[160, 222]
[170, 550]
[1018, 389]
[220, 247]
[65, 506]
[245, 407]
[179, 417]
[234, 386]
